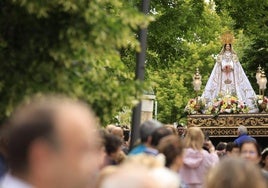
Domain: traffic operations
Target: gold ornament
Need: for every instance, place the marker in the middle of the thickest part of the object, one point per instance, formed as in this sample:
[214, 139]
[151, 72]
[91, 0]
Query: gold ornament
[227, 38]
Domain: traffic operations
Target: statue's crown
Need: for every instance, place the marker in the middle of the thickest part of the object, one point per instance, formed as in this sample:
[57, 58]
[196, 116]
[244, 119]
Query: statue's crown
[227, 38]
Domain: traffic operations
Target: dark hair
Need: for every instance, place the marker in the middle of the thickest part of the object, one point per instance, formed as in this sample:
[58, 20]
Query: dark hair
[221, 146]
[38, 124]
[171, 146]
[231, 48]
[158, 134]
[180, 125]
[111, 143]
[4, 132]
[264, 154]
[256, 145]
[230, 146]
[226, 45]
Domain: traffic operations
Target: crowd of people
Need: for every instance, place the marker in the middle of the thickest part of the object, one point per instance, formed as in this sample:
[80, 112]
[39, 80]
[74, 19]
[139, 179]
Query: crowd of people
[56, 142]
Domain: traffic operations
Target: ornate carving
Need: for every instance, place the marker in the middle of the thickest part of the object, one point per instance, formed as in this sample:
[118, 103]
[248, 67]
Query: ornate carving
[226, 125]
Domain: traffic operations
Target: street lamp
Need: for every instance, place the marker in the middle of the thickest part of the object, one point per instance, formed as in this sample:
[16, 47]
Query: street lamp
[258, 74]
[140, 67]
[262, 82]
[197, 81]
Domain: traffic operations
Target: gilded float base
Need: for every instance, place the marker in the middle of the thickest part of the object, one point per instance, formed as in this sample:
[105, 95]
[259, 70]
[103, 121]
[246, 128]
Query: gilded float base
[225, 125]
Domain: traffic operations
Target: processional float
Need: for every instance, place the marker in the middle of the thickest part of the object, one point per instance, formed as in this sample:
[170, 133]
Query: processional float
[228, 99]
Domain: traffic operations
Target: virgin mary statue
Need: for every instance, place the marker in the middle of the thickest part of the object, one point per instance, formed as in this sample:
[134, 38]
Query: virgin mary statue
[228, 77]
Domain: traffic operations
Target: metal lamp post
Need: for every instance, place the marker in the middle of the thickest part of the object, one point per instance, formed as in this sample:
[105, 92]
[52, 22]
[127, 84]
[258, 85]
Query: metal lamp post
[140, 67]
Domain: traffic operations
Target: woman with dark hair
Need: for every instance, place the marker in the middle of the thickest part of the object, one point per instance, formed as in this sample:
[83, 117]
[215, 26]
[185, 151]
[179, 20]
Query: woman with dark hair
[112, 144]
[251, 151]
[172, 148]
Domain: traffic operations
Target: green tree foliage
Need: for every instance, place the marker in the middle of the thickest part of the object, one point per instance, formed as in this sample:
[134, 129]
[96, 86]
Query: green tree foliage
[70, 47]
[86, 49]
[184, 36]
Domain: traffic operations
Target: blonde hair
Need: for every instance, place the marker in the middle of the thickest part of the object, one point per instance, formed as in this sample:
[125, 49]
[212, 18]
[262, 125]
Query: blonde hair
[105, 173]
[194, 138]
[145, 160]
[171, 128]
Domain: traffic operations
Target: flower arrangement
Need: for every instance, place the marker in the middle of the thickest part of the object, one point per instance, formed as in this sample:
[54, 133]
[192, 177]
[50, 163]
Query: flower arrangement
[261, 103]
[195, 106]
[227, 104]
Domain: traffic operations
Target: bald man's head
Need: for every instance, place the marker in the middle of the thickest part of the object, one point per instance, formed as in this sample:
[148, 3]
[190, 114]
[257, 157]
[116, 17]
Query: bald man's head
[118, 131]
[59, 136]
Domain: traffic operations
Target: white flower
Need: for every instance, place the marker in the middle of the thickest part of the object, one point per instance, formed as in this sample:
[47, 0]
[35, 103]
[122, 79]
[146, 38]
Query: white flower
[260, 101]
[228, 110]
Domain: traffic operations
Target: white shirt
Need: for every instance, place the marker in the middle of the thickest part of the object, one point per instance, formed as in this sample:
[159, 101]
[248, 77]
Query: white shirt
[10, 181]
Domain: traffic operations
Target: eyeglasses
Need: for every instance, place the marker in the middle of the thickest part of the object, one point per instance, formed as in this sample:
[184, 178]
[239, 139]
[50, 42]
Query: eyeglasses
[251, 153]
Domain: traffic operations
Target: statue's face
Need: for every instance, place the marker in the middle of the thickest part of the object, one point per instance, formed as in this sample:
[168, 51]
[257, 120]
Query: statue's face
[228, 47]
